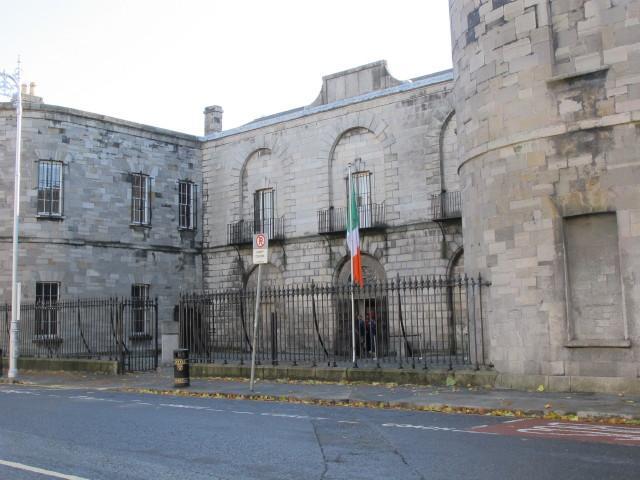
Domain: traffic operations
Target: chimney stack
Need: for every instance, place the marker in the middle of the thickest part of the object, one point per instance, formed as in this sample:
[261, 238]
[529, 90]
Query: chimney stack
[23, 89]
[32, 89]
[212, 119]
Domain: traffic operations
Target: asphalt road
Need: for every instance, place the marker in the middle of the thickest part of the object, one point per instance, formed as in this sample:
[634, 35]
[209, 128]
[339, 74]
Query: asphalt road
[89, 434]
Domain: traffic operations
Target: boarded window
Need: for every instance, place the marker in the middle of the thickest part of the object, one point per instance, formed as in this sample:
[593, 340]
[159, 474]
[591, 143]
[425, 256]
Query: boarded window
[595, 290]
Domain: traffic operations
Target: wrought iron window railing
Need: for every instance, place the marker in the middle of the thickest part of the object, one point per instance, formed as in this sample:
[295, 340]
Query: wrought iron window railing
[242, 232]
[446, 205]
[333, 220]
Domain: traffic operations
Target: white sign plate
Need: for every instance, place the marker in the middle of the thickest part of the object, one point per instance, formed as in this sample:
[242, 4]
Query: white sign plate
[260, 249]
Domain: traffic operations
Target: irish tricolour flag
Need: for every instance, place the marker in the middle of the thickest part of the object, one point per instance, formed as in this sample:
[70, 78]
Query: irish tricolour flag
[353, 237]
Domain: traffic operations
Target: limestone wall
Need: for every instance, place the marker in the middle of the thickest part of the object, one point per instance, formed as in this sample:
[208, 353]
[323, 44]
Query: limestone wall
[547, 104]
[400, 136]
[93, 250]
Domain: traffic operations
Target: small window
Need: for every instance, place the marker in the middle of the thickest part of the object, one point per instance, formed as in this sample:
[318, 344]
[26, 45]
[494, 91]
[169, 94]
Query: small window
[187, 202]
[362, 186]
[140, 305]
[49, 188]
[46, 308]
[263, 211]
[140, 196]
[362, 192]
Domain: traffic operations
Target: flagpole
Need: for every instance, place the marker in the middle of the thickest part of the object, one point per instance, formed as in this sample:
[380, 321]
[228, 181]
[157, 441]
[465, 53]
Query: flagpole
[353, 303]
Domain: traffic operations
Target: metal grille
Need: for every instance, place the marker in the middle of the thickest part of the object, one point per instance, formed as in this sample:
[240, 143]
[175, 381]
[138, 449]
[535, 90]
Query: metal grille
[243, 231]
[102, 329]
[49, 188]
[404, 322]
[334, 220]
[46, 318]
[446, 205]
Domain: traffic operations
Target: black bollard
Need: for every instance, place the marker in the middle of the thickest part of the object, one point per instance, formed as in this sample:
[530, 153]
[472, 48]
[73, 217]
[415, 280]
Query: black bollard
[181, 368]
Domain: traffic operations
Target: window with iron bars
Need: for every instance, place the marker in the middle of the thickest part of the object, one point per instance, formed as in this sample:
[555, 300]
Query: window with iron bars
[47, 294]
[187, 205]
[49, 188]
[263, 211]
[362, 192]
[140, 199]
[139, 298]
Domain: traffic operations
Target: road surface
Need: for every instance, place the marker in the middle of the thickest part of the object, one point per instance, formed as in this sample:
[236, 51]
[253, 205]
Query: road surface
[91, 434]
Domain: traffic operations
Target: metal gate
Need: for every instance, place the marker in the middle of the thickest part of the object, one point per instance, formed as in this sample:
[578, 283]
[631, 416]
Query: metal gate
[137, 335]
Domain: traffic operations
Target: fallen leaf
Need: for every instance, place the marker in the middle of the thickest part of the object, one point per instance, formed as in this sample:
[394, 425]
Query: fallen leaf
[540, 388]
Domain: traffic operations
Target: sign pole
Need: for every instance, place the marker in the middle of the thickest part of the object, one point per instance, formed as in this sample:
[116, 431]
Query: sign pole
[260, 257]
[255, 330]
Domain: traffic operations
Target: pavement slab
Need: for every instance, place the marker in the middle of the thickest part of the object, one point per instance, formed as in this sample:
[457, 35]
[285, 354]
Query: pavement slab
[459, 399]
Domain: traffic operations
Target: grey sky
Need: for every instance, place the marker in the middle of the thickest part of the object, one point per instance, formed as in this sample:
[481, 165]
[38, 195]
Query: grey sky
[161, 62]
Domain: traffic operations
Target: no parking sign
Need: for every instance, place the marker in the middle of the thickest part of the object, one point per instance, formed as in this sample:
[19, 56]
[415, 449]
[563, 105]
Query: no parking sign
[260, 249]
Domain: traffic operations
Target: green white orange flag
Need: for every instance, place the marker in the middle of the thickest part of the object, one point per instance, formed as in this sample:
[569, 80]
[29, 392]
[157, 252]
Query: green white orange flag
[353, 238]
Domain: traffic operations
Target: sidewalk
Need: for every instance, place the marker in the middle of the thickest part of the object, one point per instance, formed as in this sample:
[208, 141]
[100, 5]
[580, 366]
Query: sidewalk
[456, 399]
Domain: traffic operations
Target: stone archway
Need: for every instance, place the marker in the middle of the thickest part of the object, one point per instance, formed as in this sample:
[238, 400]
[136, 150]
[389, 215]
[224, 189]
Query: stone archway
[372, 271]
[458, 334]
[371, 310]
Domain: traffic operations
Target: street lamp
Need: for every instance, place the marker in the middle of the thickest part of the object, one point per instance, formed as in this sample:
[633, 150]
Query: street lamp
[10, 87]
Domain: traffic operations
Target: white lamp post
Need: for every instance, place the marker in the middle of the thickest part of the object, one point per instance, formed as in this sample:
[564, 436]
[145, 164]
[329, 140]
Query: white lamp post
[10, 87]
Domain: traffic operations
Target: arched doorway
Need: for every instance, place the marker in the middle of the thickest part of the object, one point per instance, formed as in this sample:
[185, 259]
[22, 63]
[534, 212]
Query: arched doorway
[458, 334]
[371, 311]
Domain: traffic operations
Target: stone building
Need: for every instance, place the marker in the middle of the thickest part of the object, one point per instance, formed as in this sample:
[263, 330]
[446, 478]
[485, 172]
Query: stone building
[108, 207]
[286, 174]
[547, 97]
[520, 165]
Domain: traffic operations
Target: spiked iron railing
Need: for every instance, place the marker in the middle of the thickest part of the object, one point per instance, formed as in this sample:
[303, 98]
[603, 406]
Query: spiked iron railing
[121, 329]
[415, 322]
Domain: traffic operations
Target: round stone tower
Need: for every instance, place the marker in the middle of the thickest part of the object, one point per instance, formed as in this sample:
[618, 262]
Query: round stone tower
[547, 97]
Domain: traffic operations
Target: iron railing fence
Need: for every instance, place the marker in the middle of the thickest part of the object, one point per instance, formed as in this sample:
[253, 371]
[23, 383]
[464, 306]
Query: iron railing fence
[242, 232]
[446, 205]
[332, 220]
[403, 322]
[121, 329]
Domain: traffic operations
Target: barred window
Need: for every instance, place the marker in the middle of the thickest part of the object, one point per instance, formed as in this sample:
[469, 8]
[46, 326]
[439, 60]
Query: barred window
[49, 188]
[140, 196]
[46, 309]
[362, 187]
[362, 192]
[187, 204]
[139, 303]
[263, 211]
